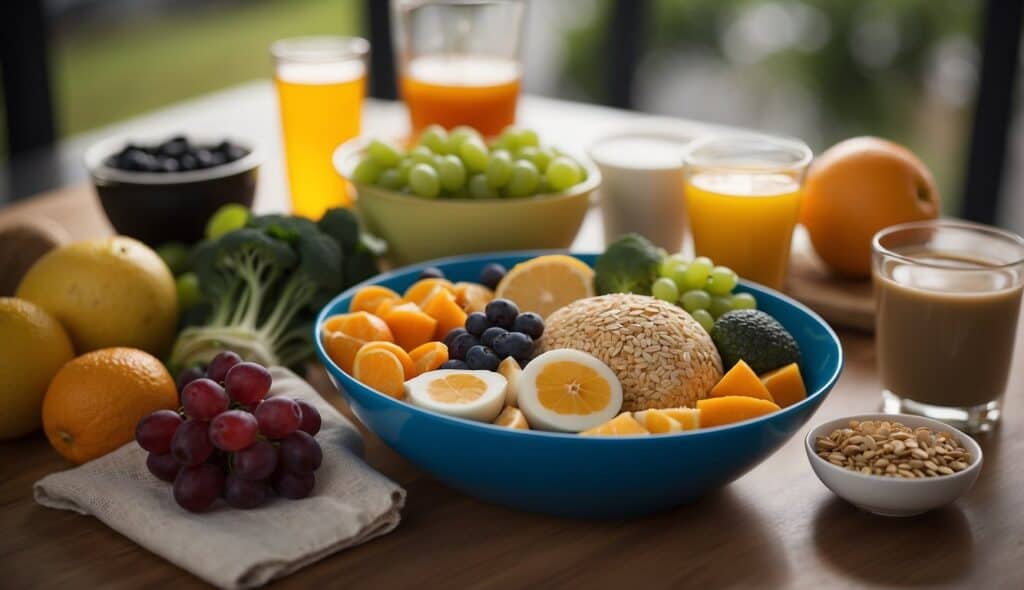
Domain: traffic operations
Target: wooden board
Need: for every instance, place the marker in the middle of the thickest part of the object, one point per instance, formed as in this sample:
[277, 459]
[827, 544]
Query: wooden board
[842, 302]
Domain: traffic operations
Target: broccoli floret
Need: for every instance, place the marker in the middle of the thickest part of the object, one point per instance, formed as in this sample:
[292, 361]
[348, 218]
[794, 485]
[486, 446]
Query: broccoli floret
[628, 265]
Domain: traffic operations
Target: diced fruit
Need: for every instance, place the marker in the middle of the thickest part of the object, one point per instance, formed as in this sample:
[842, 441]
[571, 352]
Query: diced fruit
[385, 306]
[360, 325]
[381, 370]
[410, 326]
[428, 357]
[622, 425]
[568, 390]
[786, 385]
[472, 297]
[741, 380]
[755, 337]
[510, 369]
[423, 289]
[688, 418]
[657, 422]
[512, 418]
[718, 411]
[474, 395]
[443, 308]
[408, 366]
[369, 298]
[342, 349]
[546, 283]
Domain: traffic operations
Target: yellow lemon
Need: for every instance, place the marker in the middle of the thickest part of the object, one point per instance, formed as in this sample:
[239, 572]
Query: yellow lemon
[546, 283]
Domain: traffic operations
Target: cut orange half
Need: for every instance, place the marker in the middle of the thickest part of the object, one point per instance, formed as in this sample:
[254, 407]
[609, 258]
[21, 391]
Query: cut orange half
[546, 283]
[512, 418]
[568, 391]
[429, 356]
[408, 367]
[380, 369]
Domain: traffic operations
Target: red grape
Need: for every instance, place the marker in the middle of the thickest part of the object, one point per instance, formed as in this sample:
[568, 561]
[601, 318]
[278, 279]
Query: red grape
[244, 493]
[188, 376]
[197, 487]
[310, 418]
[233, 430]
[294, 486]
[155, 431]
[203, 399]
[220, 365]
[164, 467]
[255, 462]
[300, 453]
[278, 417]
[191, 444]
[247, 383]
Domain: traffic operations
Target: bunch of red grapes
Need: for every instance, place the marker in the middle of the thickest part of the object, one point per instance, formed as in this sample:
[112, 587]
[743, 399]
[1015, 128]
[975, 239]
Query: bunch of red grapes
[228, 441]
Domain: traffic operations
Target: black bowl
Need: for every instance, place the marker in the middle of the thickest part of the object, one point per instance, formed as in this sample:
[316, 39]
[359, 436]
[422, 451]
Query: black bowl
[169, 206]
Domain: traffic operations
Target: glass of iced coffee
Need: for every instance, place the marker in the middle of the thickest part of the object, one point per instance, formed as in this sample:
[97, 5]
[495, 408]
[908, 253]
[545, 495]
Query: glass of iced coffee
[947, 299]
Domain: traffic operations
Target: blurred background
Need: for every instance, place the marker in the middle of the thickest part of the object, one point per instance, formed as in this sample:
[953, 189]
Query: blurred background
[818, 69]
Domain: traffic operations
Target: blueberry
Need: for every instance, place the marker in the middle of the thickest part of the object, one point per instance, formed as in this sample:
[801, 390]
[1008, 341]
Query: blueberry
[487, 338]
[461, 345]
[514, 344]
[174, 147]
[481, 358]
[205, 158]
[188, 162]
[530, 324]
[168, 165]
[455, 364]
[136, 160]
[452, 334]
[476, 323]
[431, 272]
[501, 312]
[492, 274]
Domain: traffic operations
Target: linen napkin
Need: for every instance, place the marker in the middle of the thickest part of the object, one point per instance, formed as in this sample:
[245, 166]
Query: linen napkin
[233, 548]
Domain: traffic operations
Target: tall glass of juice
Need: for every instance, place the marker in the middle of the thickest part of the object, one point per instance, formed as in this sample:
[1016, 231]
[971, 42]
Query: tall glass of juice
[321, 82]
[743, 198]
[459, 62]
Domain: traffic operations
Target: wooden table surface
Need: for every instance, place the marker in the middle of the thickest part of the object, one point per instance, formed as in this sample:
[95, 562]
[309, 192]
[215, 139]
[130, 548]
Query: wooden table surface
[777, 526]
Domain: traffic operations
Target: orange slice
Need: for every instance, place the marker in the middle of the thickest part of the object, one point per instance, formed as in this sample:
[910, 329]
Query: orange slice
[546, 283]
[342, 349]
[409, 325]
[421, 290]
[657, 422]
[429, 356]
[512, 418]
[568, 390]
[381, 370]
[408, 368]
[622, 425]
[449, 315]
[717, 411]
[472, 296]
[369, 298]
[360, 325]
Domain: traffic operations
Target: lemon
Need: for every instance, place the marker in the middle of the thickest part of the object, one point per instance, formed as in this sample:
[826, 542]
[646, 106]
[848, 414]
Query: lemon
[108, 292]
[33, 347]
[546, 283]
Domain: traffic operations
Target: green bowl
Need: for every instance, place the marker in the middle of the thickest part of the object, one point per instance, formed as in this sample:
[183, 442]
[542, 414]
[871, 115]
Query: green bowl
[418, 229]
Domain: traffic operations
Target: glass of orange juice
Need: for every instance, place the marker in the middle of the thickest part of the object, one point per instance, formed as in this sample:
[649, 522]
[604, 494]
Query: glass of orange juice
[743, 199]
[321, 82]
[459, 62]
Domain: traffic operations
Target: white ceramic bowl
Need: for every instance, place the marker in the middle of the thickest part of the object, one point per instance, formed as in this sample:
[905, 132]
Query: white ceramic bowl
[889, 496]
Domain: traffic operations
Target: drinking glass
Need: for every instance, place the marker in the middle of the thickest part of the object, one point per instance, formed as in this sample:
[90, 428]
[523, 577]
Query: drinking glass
[459, 62]
[743, 199]
[321, 83]
[947, 298]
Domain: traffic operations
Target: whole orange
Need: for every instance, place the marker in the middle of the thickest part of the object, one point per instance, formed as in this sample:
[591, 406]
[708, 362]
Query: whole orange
[95, 401]
[854, 189]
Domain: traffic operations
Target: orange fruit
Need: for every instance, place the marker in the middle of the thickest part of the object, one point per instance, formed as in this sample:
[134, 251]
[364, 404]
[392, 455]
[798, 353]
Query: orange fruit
[369, 298]
[741, 380]
[408, 368]
[424, 288]
[360, 325]
[717, 411]
[410, 326]
[622, 425]
[546, 283]
[95, 401]
[856, 188]
[429, 356]
[380, 369]
[342, 349]
[449, 315]
[512, 418]
[472, 296]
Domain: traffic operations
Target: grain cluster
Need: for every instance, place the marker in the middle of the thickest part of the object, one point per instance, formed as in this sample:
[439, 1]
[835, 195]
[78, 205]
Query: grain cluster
[891, 449]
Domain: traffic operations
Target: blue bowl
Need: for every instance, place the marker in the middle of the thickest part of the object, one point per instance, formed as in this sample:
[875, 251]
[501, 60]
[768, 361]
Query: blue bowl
[576, 476]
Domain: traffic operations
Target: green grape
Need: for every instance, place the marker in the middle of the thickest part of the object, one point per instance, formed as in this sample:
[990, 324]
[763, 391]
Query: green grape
[474, 155]
[563, 172]
[479, 188]
[383, 153]
[720, 304]
[721, 281]
[527, 138]
[391, 179]
[543, 187]
[524, 179]
[665, 289]
[703, 318]
[189, 294]
[670, 264]
[744, 301]
[435, 138]
[459, 135]
[543, 158]
[509, 139]
[451, 172]
[403, 169]
[499, 168]
[175, 256]
[695, 299]
[227, 219]
[696, 276]
[424, 182]
[421, 154]
[528, 153]
[366, 171]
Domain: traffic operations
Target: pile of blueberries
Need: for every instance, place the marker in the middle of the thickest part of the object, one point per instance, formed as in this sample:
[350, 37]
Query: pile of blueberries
[177, 154]
[497, 333]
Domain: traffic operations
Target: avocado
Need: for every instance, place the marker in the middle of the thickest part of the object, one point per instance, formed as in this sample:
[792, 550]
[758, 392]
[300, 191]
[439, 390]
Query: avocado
[757, 338]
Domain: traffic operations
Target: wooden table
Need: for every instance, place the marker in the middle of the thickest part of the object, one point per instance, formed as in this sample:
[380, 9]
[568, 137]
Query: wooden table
[777, 526]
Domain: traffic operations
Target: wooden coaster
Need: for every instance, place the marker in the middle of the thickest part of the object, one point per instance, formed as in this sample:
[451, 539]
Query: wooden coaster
[842, 302]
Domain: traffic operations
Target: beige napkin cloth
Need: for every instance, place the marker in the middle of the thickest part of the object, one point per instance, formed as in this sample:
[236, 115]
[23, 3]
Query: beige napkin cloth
[232, 548]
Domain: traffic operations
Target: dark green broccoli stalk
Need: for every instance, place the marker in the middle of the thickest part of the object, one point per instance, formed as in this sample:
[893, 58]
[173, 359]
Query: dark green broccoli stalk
[628, 265]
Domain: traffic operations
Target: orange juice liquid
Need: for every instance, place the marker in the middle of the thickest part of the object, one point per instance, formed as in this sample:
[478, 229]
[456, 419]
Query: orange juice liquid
[321, 106]
[454, 89]
[744, 221]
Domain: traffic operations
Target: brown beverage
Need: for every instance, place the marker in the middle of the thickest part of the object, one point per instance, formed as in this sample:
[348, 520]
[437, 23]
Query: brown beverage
[945, 327]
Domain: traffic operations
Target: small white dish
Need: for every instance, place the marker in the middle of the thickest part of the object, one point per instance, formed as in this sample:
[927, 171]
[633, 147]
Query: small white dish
[889, 496]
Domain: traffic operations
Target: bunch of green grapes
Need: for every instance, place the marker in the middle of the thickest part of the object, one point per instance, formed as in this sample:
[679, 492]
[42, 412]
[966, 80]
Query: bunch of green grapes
[460, 164]
[701, 288]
